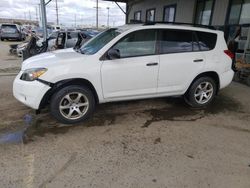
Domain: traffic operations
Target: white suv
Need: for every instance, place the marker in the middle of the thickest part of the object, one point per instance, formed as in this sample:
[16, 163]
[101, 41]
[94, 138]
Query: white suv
[127, 63]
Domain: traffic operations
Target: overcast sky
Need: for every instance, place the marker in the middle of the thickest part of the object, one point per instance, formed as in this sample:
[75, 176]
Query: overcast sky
[83, 9]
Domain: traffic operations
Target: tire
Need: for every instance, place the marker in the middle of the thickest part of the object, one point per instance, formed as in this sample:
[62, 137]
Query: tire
[65, 107]
[201, 93]
[2, 39]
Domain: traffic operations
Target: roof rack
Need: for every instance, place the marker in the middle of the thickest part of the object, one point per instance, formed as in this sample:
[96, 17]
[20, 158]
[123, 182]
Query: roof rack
[182, 23]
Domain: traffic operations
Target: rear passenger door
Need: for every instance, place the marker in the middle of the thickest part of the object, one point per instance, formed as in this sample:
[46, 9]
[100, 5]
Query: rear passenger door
[71, 39]
[180, 60]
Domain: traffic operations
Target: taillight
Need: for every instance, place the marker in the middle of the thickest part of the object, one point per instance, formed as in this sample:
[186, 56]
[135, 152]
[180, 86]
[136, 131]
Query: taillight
[229, 53]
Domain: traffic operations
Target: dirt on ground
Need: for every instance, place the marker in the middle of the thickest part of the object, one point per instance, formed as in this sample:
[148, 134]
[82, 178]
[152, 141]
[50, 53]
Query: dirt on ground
[144, 143]
[9, 63]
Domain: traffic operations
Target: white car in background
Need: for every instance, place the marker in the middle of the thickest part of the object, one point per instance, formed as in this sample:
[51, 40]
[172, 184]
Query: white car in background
[127, 63]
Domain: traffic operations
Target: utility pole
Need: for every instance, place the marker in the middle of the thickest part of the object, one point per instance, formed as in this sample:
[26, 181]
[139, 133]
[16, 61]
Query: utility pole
[97, 7]
[44, 20]
[29, 16]
[75, 20]
[57, 20]
[40, 19]
[36, 15]
[108, 18]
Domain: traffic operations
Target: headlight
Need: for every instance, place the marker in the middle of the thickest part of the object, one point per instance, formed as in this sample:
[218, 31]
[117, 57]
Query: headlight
[33, 74]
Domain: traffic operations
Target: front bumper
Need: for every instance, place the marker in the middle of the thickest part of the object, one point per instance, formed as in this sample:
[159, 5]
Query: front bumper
[29, 93]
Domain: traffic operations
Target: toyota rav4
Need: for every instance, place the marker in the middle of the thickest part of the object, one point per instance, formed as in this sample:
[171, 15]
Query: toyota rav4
[126, 63]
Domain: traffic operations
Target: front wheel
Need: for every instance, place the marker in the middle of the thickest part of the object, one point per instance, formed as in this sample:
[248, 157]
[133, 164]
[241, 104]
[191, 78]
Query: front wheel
[72, 104]
[201, 93]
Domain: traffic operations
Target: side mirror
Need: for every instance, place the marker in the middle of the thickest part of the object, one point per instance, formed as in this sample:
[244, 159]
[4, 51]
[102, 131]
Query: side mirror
[114, 54]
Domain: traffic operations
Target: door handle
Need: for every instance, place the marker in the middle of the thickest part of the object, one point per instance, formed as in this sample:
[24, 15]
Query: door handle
[198, 60]
[152, 64]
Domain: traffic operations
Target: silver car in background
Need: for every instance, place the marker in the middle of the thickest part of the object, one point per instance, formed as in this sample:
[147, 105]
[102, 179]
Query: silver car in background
[12, 31]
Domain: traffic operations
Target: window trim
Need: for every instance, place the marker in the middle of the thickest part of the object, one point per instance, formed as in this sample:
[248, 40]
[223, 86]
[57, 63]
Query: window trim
[139, 11]
[158, 46]
[104, 56]
[169, 6]
[212, 10]
[154, 9]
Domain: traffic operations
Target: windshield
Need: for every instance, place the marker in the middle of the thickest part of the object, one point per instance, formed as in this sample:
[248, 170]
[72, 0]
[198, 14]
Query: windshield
[99, 41]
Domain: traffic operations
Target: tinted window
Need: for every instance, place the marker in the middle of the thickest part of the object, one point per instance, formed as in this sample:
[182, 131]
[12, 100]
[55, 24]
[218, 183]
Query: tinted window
[169, 13]
[138, 43]
[175, 41]
[137, 16]
[150, 15]
[204, 11]
[206, 41]
[239, 12]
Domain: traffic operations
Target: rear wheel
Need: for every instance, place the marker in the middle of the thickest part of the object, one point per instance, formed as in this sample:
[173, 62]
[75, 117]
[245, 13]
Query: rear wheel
[72, 104]
[2, 39]
[201, 92]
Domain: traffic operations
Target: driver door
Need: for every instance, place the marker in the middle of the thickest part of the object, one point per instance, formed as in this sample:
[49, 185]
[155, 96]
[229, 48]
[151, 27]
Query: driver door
[134, 74]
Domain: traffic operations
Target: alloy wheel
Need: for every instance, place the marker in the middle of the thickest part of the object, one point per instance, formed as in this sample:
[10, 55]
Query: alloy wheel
[74, 105]
[203, 92]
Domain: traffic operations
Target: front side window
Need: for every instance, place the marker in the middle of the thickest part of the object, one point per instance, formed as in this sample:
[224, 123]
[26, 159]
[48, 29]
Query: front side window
[137, 16]
[150, 15]
[138, 43]
[99, 41]
[239, 12]
[169, 13]
[204, 12]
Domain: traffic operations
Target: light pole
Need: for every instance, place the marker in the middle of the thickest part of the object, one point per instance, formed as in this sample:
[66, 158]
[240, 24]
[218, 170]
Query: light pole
[97, 14]
[97, 7]
[57, 20]
[108, 17]
[44, 19]
[75, 20]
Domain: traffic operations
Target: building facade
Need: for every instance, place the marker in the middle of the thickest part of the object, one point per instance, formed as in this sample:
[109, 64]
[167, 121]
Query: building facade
[206, 12]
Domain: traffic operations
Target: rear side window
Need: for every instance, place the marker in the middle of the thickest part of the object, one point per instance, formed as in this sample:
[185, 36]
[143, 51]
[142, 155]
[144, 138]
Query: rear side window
[206, 41]
[138, 43]
[176, 41]
[180, 41]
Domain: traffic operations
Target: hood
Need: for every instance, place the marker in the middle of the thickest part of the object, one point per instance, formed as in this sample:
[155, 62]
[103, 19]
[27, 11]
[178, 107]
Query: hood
[48, 59]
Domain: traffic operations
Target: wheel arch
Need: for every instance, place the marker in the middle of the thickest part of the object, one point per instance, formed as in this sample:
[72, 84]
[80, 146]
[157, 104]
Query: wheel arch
[63, 83]
[212, 74]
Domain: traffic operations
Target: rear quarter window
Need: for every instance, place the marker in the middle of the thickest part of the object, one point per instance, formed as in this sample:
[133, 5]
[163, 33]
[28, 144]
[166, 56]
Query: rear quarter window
[206, 41]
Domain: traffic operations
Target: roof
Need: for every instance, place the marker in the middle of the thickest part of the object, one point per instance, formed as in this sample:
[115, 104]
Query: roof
[164, 26]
